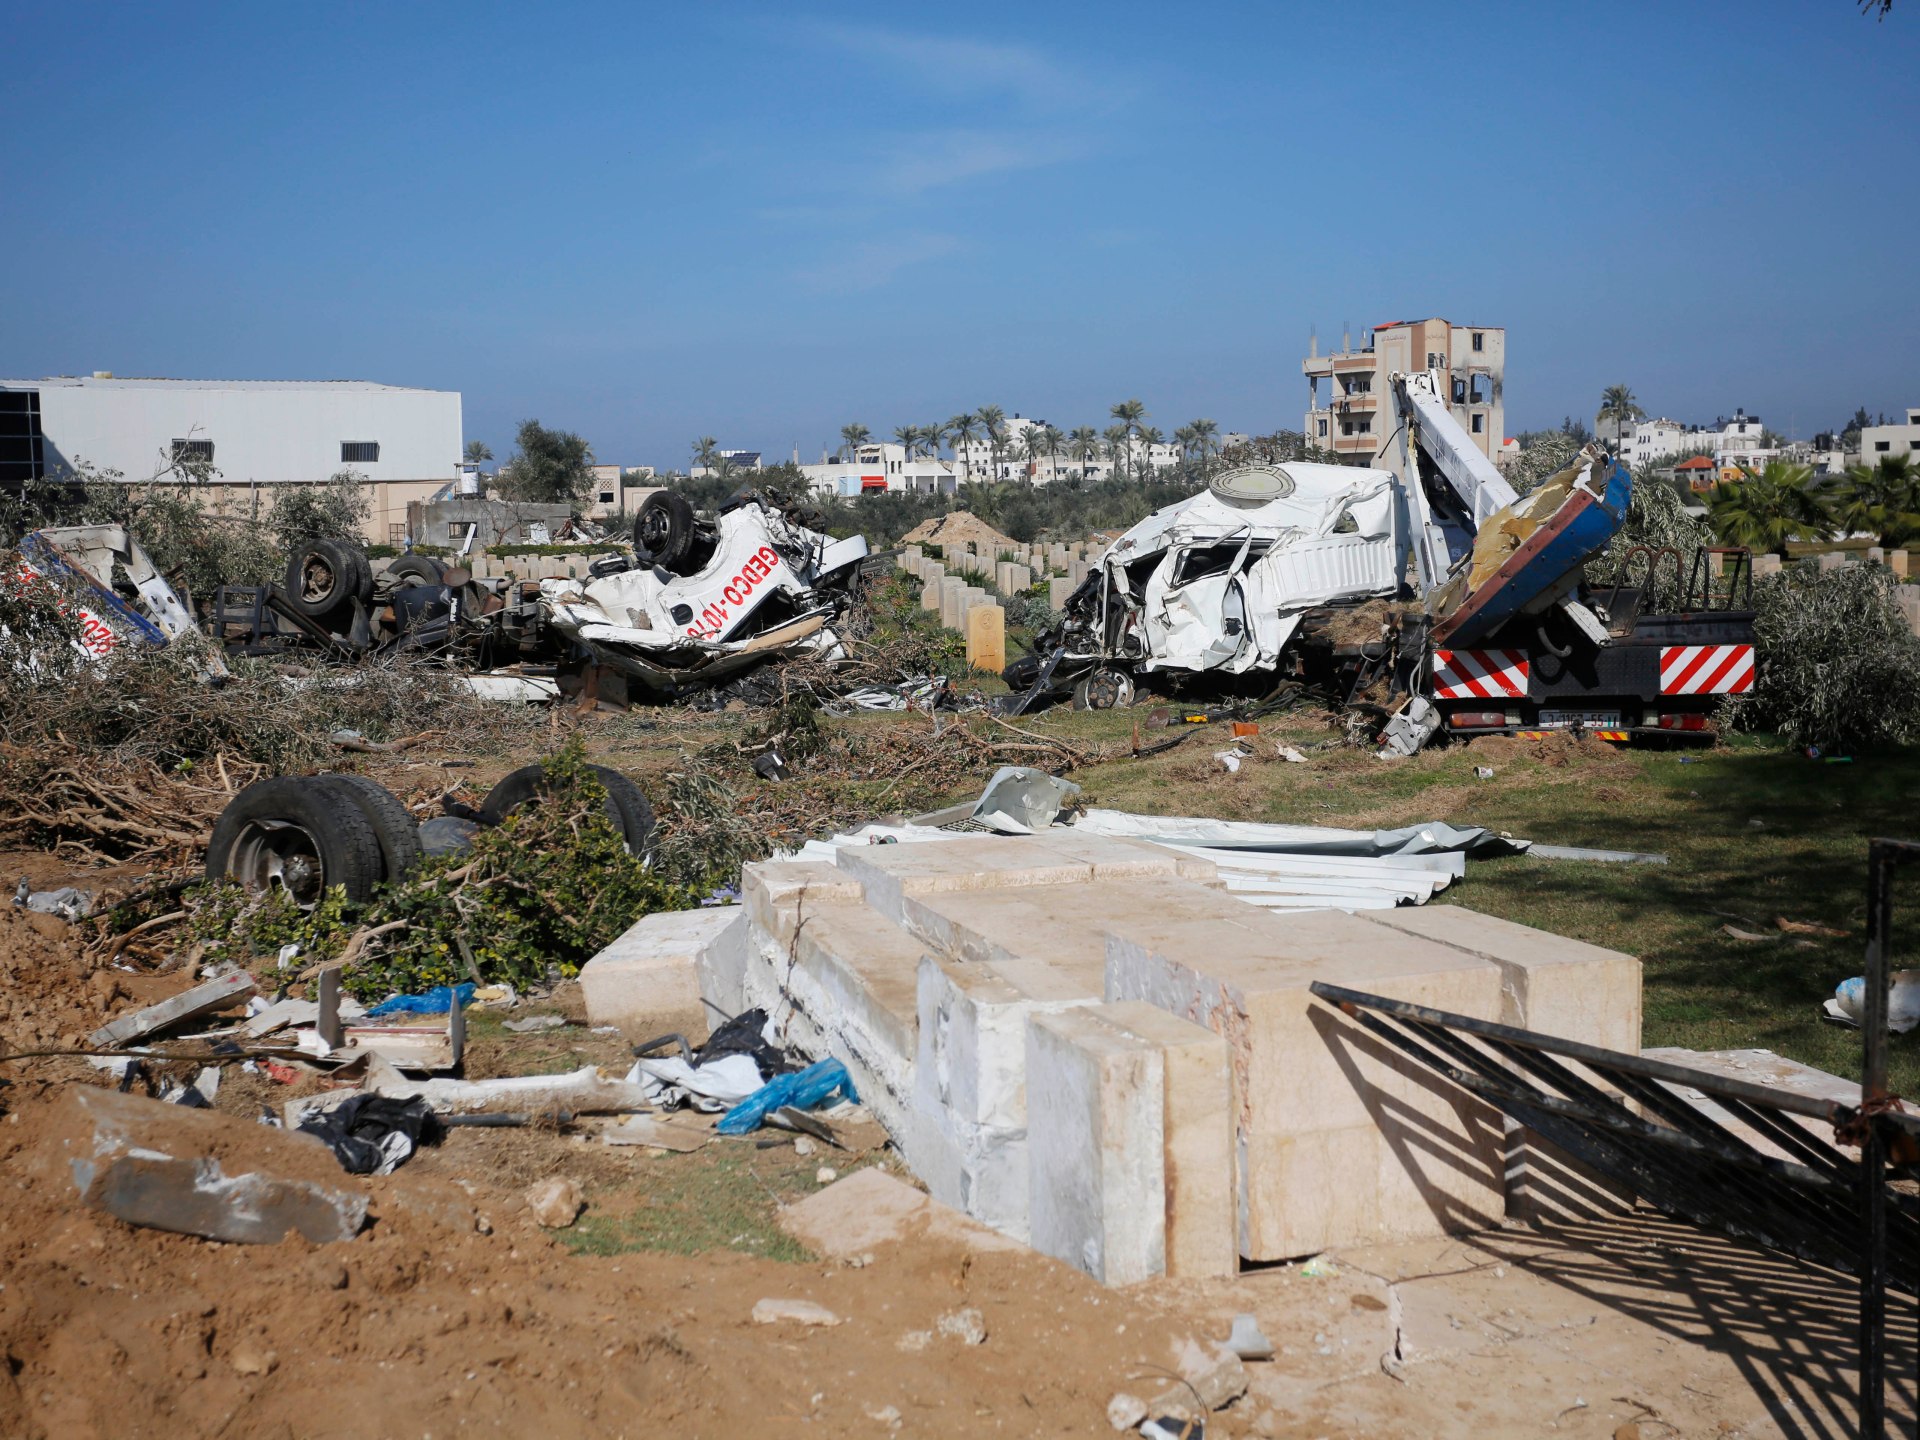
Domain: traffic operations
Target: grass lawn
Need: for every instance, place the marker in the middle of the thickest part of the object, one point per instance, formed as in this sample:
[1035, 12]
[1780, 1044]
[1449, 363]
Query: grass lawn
[1752, 832]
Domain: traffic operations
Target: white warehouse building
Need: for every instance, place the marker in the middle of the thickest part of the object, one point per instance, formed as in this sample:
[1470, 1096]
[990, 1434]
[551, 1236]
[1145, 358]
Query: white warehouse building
[246, 437]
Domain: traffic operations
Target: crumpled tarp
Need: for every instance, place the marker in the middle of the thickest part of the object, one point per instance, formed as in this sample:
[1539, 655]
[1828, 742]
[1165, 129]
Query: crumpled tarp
[1431, 838]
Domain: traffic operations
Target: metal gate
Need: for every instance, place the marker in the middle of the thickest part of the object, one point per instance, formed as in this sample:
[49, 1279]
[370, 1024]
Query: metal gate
[1801, 1188]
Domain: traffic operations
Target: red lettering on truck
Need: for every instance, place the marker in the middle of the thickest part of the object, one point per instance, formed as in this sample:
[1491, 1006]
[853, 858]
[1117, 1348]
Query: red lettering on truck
[757, 568]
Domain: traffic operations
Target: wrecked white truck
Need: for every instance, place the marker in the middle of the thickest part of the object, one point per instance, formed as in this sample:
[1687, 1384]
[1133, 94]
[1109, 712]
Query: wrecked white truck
[708, 599]
[1433, 596]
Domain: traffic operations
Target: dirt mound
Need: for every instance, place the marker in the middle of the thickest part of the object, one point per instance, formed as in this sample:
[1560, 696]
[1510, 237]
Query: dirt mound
[961, 527]
[452, 1310]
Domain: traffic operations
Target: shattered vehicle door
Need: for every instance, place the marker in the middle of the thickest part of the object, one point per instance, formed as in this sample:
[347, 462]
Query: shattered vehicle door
[1196, 606]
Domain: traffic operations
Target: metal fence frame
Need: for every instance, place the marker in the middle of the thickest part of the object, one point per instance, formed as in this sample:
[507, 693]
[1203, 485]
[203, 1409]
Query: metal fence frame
[1821, 1206]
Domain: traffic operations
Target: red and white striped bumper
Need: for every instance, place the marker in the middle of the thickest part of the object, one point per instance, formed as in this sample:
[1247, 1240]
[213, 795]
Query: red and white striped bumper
[1706, 669]
[1479, 674]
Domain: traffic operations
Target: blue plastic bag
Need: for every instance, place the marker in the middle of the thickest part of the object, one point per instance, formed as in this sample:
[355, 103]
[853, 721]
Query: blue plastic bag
[437, 1001]
[803, 1090]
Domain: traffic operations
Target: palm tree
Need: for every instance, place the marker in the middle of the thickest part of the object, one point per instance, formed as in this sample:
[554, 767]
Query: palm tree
[993, 424]
[1083, 443]
[852, 437]
[1207, 435]
[1050, 435]
[1765, 511]
[1150, 436]
[1119, 448]
[477, 452]
[1184, 437]
[960, 432]
[706, 453]
[1033, 446]
[1883, 500]
[906, 437]
[1618, 407]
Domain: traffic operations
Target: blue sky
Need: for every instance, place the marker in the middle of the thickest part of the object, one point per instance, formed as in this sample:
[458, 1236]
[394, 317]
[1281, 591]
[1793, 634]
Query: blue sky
[650, 222]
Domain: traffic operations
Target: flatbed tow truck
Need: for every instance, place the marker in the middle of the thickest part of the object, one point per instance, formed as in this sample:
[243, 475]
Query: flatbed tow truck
[1431, 594]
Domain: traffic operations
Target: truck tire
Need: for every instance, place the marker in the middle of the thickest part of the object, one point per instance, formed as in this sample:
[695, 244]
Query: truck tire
[324, 577]
[300, 834]
[417, 570]
[664, 527]
[393, 826]
[1103, 689]
[627, 807]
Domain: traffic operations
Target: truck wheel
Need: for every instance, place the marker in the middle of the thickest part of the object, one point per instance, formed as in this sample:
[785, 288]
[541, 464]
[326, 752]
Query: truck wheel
[301, 836]
[664, 527]
[1103, 690]
[627, 807]
[324, 576]
[393, 825]
[417, 569]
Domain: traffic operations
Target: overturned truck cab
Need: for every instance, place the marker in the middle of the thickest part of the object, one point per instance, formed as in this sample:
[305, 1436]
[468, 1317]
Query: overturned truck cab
[708, 599]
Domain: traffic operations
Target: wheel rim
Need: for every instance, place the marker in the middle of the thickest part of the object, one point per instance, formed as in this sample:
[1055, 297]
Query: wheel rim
[1107, 690]
[654, 526]
[270, 854]
[317, 579]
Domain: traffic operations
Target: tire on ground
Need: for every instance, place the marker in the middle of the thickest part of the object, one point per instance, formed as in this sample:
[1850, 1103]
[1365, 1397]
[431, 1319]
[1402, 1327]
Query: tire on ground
[664, 527]
[314, 831]
[627, 807]
[393, 825]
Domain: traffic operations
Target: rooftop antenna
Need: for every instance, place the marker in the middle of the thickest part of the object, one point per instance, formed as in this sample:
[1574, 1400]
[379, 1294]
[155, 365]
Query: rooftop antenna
[1346, 337]
[1313, 342]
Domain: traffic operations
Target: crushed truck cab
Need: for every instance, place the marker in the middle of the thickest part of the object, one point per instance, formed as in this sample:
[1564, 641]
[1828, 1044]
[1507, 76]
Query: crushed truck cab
[715, 598]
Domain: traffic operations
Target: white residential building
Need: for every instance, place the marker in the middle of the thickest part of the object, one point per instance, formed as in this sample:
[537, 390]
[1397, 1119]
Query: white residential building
[1883, 442]
[878, 468]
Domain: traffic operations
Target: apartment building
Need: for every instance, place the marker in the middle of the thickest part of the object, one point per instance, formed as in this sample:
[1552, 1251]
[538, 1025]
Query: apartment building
[1354, 418]
[1883, 442]
[879, 467]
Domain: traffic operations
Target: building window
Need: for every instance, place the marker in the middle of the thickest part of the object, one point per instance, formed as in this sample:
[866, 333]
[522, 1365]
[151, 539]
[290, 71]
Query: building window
[194, 450]
[21, 455]
[1479, 341]
[1346, 427]
[1323, 427]
[1479, 424]
[1877, 445]
[1363, 427]
[606, 497]
[359, 452]
[396, 532]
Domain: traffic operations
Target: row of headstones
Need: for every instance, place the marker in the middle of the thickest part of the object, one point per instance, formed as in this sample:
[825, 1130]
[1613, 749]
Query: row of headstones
[1009, 577]
[969, 610]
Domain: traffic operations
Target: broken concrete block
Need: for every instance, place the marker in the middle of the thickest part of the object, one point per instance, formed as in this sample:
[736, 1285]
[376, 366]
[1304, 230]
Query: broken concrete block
[647, 981]
[1547, 982]
[846, 982]
[1202, 1200]
[1096, 1160]
[555, 1202]
[870, 1207]
[187, 1005]
[783, 1311]
[198, 1172]
[1321, 1105]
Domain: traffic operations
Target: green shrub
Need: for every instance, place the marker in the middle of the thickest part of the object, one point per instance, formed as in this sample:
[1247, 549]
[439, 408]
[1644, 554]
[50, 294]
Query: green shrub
[534, 899]
[1839, 667]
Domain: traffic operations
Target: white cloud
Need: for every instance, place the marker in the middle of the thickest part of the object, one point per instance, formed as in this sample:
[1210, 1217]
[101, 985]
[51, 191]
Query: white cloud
[961, 66]
[869, 264]
[914, 164]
